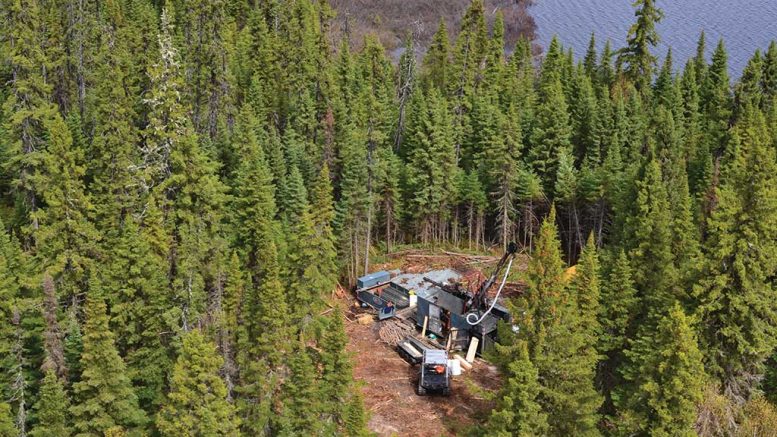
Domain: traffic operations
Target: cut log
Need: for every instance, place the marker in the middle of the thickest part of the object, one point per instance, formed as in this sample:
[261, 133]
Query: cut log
[464, 364]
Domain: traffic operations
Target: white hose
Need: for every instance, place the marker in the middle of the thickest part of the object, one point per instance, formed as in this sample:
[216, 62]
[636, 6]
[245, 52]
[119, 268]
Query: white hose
[501, 286]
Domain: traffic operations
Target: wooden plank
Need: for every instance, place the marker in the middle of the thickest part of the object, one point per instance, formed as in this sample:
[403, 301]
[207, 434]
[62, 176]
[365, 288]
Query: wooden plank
[473, 348]
[426, 322]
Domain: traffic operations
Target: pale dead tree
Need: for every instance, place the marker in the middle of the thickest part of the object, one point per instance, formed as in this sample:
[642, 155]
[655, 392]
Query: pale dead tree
[167, 116]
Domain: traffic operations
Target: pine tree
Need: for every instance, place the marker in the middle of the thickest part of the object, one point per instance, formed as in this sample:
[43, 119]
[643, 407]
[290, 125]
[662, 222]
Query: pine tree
[518, 412]
[7, 428]
[301, 409]
[616, 317]
[197, 402]
[28, 109]
[735, 294]
[670, 381]
[66, 237]
[140, 309]
[51, 410]
[552, 329]
[104, 398]
[636, 56]
[551, 134]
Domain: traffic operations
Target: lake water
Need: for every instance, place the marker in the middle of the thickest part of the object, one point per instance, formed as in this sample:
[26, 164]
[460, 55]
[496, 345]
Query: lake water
[744, 25]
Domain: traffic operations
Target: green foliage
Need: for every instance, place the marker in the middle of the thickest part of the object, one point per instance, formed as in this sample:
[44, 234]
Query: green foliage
[104, 398]
[670, 379]
[562, 352]
[51, 409]
[736, 290]
[518, 412]
[7, 428]
[638, 62]
[185, 185]
[197, 402]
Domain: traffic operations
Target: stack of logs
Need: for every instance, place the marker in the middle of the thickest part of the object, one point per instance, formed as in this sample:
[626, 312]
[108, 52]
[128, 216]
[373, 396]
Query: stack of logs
[393, 331]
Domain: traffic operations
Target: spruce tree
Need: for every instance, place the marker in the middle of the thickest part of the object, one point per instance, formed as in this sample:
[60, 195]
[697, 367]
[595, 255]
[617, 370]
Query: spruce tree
[669, 384]
[104, 398]
[197, 402]
[591, 60]
[140, 309]
[28, 108]
[735, 295]
[51, 410]
[717, 101]
[113, 150]
[586, 287]
[551, 134]
[617, 313]
[638, 61]
[301, 408]
[66, 238]
[10, 264]
[338, 393]
[551, 327]
[7, 428]
[518, 412]
[436, 63]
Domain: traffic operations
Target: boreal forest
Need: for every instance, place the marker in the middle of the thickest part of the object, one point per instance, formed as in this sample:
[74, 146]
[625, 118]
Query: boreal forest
[184, 183]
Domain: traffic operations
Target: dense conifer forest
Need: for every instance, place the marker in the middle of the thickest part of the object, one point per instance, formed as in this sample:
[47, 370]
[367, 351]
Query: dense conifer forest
[184, 183]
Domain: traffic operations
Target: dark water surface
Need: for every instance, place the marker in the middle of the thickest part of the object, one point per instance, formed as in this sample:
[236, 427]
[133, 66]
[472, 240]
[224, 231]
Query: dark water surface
[744, 25]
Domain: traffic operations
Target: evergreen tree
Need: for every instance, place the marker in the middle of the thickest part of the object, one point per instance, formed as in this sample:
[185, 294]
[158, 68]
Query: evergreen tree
[551, 134]
[66, 238]
[28, 109]
[552, 329]
[616, 317]
[338, 393]
[735, 294]
[436, 62]
[585, 286]
[197, 402]
[717, 101]
[590, 62]
[140, 309]
[670, 381]
[7, 428]
[113, 149]
[518, 412]
[638, 61]
[301, 409]
[104, 398]
[51, 410]
[431, 162]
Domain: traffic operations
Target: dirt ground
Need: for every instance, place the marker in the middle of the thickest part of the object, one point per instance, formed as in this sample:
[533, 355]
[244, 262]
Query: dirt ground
[389, 390]
[389, 382]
